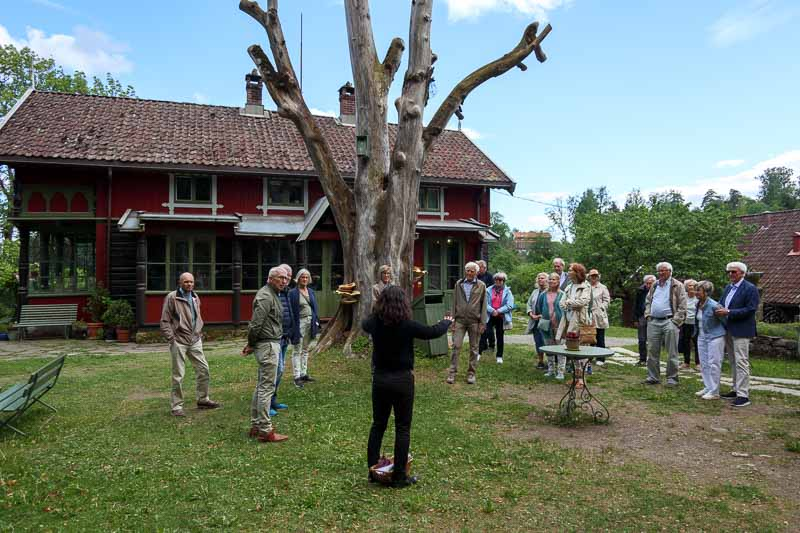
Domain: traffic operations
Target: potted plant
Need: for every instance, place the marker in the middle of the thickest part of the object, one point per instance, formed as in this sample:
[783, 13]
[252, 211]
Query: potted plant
[96, 306]
[119, 315]
[79, 329]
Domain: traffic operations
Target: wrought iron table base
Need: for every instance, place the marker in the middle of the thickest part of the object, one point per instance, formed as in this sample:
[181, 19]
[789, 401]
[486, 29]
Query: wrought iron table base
[583, 401]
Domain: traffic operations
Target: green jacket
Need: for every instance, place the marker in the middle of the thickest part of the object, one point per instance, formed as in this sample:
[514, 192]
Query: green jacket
[267, 321]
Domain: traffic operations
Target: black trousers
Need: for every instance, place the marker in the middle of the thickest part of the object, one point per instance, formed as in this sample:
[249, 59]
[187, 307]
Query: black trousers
[496, 326]
[687, 340]
[487, 339]
[392, 390]
[601, 341]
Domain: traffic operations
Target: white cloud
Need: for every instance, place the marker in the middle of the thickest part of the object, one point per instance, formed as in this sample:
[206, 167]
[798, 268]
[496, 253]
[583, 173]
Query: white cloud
[54, 5]
[750, 20]
[88, 50]
[744, 181]
[321, 113]
[538, 223]
[729, 163]
[471, 134]
[200, 98]
[472, 9]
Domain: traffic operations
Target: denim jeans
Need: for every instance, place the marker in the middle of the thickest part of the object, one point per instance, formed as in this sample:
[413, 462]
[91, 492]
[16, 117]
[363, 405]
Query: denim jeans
[392, 390]
[281, 367]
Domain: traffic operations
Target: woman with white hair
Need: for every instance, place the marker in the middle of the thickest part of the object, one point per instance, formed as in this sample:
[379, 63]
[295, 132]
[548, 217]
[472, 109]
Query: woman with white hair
[499, 303]
[303, 303]
[384, 280]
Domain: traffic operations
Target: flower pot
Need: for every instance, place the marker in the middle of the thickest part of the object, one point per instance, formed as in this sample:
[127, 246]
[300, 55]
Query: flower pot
[93, 328]
[123, 335]
[574, 344]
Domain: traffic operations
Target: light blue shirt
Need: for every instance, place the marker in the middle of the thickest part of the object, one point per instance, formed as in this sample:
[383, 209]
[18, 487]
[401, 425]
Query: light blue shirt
[660, 306]
[734, 287]
[190, 297]
[468, 285]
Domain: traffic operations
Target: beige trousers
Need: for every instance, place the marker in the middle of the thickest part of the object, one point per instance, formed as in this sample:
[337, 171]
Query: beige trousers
[738, 352]
[462, 329]
[300, 350]
[194, 352]
[267, 354]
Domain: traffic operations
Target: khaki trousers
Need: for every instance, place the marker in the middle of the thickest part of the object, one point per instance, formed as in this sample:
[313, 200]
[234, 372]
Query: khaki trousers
[462, 329]
[738, 351]
[662, 331]
[267, 354]
[300, 350]
[194, 352]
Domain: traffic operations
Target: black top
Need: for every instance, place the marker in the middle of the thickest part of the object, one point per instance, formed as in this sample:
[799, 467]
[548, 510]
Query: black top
[487, 278]
[393, 346]
[641, 302]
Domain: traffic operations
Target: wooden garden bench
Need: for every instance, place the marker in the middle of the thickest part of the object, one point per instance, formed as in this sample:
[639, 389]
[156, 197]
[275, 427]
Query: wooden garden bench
[16, 399]
[32, 316]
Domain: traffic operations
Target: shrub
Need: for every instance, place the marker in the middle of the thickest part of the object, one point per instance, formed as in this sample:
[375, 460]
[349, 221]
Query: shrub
[99, 300]
[119, 314]
[615, 312]
[787, 331]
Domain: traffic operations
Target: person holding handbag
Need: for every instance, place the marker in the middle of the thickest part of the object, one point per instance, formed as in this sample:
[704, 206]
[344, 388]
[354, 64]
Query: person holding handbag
[575, 305]
[499, 304]
[533, 317]
[549, 313]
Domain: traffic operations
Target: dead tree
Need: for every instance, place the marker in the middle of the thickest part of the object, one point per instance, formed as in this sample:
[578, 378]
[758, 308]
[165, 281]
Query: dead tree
[377, 215]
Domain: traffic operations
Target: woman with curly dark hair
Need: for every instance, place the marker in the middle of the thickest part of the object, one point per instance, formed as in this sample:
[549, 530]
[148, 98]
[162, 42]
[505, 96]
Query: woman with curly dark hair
[393, 333]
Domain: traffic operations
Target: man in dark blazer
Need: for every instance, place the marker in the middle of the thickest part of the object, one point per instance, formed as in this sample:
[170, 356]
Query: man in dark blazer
[739, 304]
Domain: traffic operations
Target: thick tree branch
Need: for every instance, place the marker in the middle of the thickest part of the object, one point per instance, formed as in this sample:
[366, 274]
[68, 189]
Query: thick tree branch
[531, 42]
[393, 57]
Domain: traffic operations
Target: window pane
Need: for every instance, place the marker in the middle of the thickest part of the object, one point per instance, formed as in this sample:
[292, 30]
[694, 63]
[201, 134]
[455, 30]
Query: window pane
[202, 189]
[453, 275]
[337, 265]
[453, 252]
[180, 252]
[183, 188]
[202, 276]
[314, 252]
[175, 272]
[434, 277]
[270, 254]
[156, 249]
[202, 251]
[249, 252]
[288, 255]
[285, 192]
[433, 199]
[223, 277]
[156, 277]
[250, 278]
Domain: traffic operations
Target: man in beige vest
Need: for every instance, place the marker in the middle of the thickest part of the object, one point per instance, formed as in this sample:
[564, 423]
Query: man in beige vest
[181, 325]
[469, 317]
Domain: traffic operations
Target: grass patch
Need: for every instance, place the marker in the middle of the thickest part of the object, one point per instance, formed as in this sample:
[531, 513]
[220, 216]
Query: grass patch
[619, 331]
[113, 459]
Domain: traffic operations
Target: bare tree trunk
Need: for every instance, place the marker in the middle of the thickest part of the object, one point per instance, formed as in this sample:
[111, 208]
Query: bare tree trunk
[377, 218]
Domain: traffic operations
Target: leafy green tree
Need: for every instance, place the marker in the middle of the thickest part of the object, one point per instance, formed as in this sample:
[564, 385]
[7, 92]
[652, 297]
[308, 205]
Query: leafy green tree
[777, 190]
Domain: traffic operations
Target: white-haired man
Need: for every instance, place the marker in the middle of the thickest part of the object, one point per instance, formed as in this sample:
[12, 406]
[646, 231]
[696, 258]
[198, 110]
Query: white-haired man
[665, 311]
[558, 268]
[469, 318]
[739, 304]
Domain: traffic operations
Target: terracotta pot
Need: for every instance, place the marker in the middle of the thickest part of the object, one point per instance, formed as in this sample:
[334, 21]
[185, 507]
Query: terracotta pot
[92, 329]
[123, 335]
[574, 344]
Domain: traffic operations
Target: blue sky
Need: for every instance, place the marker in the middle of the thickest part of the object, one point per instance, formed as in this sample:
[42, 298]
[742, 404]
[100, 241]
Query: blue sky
[642, 94]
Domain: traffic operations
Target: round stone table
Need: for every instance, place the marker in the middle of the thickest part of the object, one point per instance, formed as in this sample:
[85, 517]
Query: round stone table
[580, 398]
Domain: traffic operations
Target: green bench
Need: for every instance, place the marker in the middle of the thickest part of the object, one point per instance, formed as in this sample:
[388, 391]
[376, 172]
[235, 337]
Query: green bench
[16, 399]
[32, 316]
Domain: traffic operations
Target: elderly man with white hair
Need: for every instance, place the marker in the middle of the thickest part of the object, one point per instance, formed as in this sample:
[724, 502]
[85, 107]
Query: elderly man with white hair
[665, 311]
[739, 304]
[558, 268]
[469, 317]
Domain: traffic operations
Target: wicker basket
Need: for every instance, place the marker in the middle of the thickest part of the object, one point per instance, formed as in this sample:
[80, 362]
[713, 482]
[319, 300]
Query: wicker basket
[574, 345]
[385, 477]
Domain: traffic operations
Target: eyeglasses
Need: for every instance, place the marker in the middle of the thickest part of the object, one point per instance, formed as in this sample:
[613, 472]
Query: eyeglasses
[732, 271]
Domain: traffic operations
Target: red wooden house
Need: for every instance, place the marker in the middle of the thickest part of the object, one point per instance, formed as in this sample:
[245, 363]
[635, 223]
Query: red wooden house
[132, 192]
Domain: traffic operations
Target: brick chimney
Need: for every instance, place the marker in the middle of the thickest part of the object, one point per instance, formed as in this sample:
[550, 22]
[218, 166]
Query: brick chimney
[795, 244]
[254, 88]
[347, 103]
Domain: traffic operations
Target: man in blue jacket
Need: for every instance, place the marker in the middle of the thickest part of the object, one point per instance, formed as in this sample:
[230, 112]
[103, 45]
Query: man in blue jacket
[739, 304]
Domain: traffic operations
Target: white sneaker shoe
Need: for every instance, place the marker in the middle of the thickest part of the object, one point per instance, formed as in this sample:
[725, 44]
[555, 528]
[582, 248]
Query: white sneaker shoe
[701, 392]
[499, 360]
[709, 396]
[600, 363]
[560, 376]
[479, 356]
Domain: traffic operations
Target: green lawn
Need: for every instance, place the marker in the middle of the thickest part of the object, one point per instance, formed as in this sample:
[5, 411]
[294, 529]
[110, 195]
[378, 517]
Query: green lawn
[113, 459]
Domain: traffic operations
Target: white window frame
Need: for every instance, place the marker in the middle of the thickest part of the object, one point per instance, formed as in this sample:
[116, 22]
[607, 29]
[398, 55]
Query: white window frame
[265, 207]
[173, 202]
[441, 213]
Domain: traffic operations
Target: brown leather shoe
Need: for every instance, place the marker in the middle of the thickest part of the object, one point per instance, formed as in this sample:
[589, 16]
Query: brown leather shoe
[270, 437]
[208, 404]
[253, 432]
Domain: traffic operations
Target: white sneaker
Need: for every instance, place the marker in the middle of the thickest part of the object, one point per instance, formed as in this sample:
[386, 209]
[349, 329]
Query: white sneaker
[560, 376]
[700, 392]
[499, 360]
[709, 396]
[549, 374]
[479, 356]
[600, 363]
